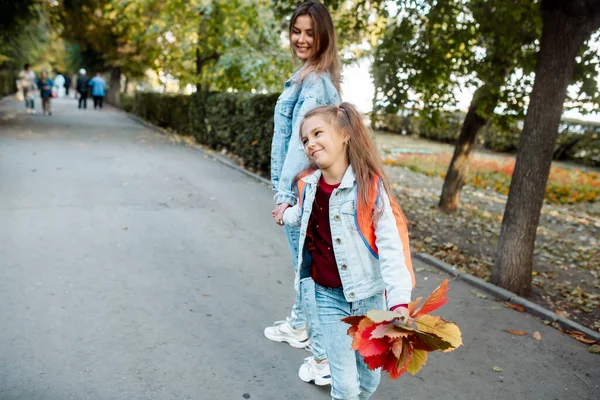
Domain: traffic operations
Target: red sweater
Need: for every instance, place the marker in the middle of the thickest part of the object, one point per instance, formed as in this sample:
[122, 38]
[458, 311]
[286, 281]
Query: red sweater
[319, 243]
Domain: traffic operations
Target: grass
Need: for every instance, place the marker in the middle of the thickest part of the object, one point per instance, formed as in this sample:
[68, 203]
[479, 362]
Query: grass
[564, 186]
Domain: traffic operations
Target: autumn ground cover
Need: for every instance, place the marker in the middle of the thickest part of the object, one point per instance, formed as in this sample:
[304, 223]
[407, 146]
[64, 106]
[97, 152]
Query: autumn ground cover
[567, 254]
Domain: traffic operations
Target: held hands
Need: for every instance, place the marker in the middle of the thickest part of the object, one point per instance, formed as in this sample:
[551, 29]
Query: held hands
[277, 213]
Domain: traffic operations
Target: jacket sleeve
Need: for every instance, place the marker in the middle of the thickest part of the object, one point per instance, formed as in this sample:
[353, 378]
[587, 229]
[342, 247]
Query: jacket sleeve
[312, 95]
[393, 261]
[292, 216]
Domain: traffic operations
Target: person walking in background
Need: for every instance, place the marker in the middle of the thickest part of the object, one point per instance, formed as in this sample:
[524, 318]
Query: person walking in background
[82, 88]
[27, 87]
[45, 84]
[317, 82]
[59, 85]
[67, 85]
[98, 90]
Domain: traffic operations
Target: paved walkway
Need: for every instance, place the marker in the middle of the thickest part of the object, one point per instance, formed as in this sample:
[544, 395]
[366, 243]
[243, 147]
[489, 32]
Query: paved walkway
[132, 267]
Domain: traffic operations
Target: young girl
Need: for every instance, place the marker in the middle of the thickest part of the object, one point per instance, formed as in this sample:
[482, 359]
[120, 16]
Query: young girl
[353, 238]
[316, 83]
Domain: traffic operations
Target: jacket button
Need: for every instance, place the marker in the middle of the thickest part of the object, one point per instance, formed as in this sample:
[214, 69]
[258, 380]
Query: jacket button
[351, 295]
[344, 267]
[337, 217]
[338, 240]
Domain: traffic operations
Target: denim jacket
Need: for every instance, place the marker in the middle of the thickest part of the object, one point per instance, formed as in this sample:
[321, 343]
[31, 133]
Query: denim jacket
[363, 274]
[287, 152]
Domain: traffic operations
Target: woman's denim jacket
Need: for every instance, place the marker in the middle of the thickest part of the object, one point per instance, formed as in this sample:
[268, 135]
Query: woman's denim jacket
[363, 273]
[287, 154]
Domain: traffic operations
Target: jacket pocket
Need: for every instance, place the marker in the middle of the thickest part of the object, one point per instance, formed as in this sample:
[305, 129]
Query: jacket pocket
[347, 211]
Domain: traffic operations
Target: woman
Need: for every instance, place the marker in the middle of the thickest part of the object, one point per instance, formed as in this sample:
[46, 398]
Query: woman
[316, 83]
[45, 85]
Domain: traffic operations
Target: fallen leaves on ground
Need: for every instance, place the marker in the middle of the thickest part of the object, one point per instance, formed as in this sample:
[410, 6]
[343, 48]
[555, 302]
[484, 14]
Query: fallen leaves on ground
[516, 307]
[567, 253]
[516, 333]
[578, 335]
[536, 335]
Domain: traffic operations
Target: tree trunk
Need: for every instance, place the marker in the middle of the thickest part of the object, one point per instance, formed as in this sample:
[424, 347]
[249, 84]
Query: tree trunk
[563, 34]
[114, 90]
[483, 103]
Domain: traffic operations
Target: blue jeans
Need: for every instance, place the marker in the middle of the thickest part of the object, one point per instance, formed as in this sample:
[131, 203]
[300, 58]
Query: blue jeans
[351, 379]
[304, 310]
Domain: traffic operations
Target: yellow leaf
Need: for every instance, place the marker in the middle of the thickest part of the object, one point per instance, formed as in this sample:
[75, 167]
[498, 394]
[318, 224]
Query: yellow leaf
[447, 331]
[418, 360]
[379, 316]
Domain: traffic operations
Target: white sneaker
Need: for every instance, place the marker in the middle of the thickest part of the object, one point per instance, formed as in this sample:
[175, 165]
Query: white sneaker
[311, 372]
[282, 331]
[33, 112]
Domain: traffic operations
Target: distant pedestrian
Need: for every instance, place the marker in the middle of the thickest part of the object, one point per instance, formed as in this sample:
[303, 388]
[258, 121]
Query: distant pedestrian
[98, 90]
[45, 84]
[67, 85]
[27, 87]
[59, 85]
[82, 88]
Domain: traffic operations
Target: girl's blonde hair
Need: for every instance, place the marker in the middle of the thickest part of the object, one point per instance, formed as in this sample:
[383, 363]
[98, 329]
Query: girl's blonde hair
[362, 152]
[326, 57]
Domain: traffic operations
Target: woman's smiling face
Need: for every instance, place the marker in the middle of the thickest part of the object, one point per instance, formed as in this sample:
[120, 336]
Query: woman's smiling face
[302, 38]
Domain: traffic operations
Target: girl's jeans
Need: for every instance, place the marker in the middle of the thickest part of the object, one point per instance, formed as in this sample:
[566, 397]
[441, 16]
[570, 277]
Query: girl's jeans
[304, 310]
[351, 379]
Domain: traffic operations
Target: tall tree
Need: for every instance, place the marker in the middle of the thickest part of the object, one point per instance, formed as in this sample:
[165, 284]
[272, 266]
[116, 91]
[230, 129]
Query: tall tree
[432, 48]
[567, 24]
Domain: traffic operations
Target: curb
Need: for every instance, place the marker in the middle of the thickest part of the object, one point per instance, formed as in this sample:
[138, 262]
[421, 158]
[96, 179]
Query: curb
[508, 296]
[492, 289]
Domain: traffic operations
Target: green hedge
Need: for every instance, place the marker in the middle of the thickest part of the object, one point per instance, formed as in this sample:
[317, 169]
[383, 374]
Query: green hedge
[578, 141]
[240, 123]
[7, 83]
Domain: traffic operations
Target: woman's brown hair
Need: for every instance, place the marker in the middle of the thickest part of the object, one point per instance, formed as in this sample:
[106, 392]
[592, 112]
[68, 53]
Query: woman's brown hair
[362, 152]
[326, 57]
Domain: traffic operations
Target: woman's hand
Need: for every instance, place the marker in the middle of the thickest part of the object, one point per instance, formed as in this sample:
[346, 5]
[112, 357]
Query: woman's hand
[277, 213]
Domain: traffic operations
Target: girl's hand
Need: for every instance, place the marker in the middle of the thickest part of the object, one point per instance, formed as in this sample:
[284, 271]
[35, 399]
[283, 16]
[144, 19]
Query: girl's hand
[401, 309]
[277, 213]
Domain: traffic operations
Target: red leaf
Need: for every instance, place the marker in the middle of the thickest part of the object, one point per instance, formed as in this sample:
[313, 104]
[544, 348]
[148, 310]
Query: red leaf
[374, 362]
[435, 300]
[373, 347]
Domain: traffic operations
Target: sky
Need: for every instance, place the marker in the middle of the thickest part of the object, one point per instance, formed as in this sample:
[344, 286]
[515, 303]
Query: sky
[357, 88]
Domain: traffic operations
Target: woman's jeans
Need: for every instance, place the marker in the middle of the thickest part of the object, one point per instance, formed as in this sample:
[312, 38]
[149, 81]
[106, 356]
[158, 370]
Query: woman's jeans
[304, 310]
[351, 379]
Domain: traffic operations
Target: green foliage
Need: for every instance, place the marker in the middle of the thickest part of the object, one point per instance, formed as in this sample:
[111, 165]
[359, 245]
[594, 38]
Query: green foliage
[7, 83]
[240, 123]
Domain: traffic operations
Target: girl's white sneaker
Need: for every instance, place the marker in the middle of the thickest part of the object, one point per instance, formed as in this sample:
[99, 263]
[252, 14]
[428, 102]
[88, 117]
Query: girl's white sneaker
[313, 372]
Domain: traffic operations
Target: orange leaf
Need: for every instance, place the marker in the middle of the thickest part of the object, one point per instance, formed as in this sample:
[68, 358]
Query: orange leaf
[578, 335]
[435, 300]
[517, 333]
[412, 306]
[357, 338]
[516, 307]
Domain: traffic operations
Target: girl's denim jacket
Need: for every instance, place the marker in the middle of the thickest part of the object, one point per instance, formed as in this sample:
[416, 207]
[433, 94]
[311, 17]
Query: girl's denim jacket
[287, 153]
[363, 274]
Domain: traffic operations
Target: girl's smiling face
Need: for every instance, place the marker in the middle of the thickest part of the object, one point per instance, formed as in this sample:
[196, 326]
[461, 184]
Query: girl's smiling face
[322, 143]
[302, 37]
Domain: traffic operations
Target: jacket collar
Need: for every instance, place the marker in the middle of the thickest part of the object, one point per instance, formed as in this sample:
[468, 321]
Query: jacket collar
[347, 180]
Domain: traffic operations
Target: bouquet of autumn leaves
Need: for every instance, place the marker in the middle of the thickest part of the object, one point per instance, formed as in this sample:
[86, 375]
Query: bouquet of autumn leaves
[400, 341]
